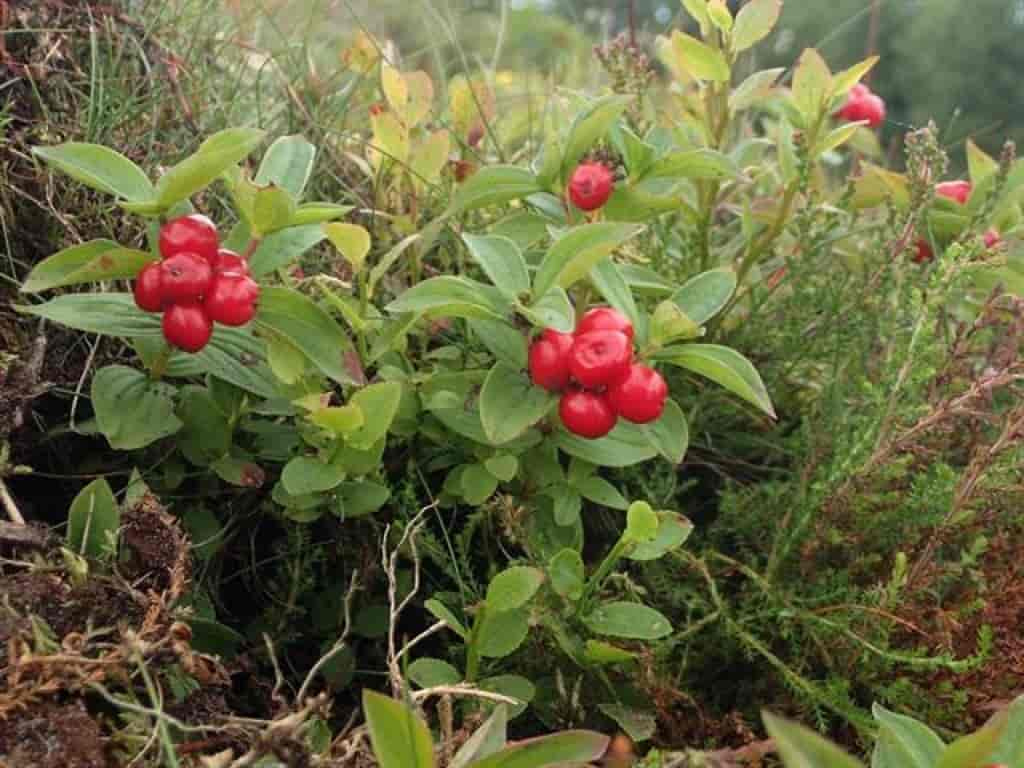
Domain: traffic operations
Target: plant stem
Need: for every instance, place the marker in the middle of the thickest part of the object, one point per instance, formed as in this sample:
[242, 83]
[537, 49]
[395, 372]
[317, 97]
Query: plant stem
[159, 367]
[473, 644]
[605, 568]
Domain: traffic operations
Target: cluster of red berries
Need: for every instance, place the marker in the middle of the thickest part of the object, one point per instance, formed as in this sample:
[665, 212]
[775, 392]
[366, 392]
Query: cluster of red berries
[195, 284]
[591, 185]
[863, 104]
[958, 191]
[593, 368]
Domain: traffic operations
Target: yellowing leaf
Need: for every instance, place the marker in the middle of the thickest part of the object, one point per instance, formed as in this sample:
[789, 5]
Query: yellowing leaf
[390, 140]
[429, 159]
[395, 88]
[352, 242]
[812, 84]
[700, 60]
[471, 103]
[364, 53]
[421, 96]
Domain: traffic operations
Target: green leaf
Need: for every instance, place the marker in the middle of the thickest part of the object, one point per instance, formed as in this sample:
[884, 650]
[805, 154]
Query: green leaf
[975, 748]
[705, 295]
[212, 637]
[754, 23]
[979, 163]
[309, 328]
[600, 652]
[214, 156]
[641, 523]
[204, 530]
[610, 283]
[285, 360]
[698, 9]
[110, 314]
[93, 520]
[239, 472]
[670, 434]
[304, 474]
[673, 531]
[506, 342]
[577, 250]
[379, 403]
[696, 164]
[1011, 746]
[485, 741]
[903, 742]
[273, 208]
[493, 185]
[446, 295]
[637, 724]
[836, 138]
[503, 467]
[502, 633]
[400, 739]
[843, 81]
[699, 59]
[622, 447]
[478, 485]
[513, 686]
[629, 620]
[510, 404]
[100, 168]
[600, 491]
[441, 612]
[590, 126]
[720, 15]
[352, 242]
[800, 747]
[357, 499]
[428, 673]
[132, 411]
[552, 310]
[812, 84]
[567, 747]
[568, 505]
[341, 420]
[288, 163]
[206, 434]
[502, 262]
[282, 248]
[724, 366]
[755, 89]
[567, 574]
[318, 213]
[669, 323]
[86, 263]
[513, 588]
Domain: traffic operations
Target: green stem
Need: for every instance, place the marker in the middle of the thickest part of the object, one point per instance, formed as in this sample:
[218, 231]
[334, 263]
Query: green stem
[364, 306]
[159, 366]
[473, 644]
[605, 568]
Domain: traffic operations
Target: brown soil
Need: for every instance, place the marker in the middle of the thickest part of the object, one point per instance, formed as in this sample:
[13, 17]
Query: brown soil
[53, 736]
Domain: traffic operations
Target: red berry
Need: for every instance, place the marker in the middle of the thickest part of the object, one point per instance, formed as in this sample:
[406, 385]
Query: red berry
[993, 239]
[862, 104]
[590, 186]
[185, 277]
[549, 360]
[600, 358]
[231, 299]
[229, 261]
[193, 233]
[187, 327]
[958, 191]
[605, 319]
[587, 414]
[924, 252]
[640, 397]
[149, 291]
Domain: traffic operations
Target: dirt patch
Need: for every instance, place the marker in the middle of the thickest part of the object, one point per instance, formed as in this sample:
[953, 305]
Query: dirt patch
[53, 736]
[155, 551]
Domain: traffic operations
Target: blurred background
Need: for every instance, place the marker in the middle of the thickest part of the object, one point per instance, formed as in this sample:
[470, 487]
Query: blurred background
[959, 63]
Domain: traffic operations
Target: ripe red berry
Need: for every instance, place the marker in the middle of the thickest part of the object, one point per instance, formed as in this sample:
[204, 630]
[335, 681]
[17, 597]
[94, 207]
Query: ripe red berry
[862, 104]
[185, 277]
[605, 319]
[229, 261]
[148, 290]
[187, 327]
[993, 239]
[193, 233]
[958, 191]
[600, 358]
[231, 299]
[924, 252]
[549, 360]
[590, 186]
[640, 396]
[587, 414]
